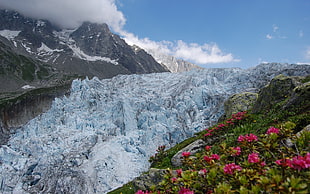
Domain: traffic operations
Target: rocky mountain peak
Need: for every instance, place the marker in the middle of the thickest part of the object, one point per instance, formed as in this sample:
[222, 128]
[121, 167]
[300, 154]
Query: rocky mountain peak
[90, 50]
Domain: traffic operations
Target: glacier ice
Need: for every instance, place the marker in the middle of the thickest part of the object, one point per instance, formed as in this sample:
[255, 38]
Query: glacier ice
[102, 134]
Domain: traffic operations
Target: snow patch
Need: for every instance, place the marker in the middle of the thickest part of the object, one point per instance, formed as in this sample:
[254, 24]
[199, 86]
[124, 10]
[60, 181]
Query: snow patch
[80, 54]
[9, 34]
[45, 50]
[25, 87]
[64, 36]
[28, 49]
[40, 23]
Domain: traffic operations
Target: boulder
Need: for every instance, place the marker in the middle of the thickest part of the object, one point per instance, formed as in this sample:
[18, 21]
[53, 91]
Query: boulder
[279, 89]
[193, 148]
[300, 98]
[238, 102]
[152, 177]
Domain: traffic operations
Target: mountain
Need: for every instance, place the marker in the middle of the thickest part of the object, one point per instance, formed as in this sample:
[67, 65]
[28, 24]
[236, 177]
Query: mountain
[102, 134]
[90, 50]
[173, 64]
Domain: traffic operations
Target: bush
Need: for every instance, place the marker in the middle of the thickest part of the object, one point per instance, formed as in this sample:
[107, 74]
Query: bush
[254, 164]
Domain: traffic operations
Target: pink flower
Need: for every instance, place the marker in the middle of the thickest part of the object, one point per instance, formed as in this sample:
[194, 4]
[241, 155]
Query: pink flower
[221, 125]
[236, 151]
[208, 148]
[263, 163]
[185, 191]
[215, 157]
[251, 137]
[174, 179]
[207, 158]
[231, 168]
[253, 158]
[273, 130]
[179, 171]
[241, 138]
[207, 134]
[202, 171]
[141, 192]
[248, 137]
[299, 162]
[186, 154]
[284, 162]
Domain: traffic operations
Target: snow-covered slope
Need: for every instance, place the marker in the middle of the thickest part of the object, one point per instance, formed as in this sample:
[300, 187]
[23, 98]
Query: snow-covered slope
[102, 135]
[173, 64]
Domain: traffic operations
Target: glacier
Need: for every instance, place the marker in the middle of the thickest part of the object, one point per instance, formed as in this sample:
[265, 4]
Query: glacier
[102, 134]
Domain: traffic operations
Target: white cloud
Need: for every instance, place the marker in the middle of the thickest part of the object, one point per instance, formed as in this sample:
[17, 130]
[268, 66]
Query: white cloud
[69, 13]
[268, 36]
[202, 54]
[198, 54]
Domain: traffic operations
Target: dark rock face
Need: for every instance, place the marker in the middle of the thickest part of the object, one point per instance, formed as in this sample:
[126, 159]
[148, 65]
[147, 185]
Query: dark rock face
[283, 88]
[97, 40]
[300, 98]
[18, 112]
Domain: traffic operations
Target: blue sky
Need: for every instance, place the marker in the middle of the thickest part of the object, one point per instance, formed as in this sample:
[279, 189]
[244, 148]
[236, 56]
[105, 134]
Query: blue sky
[210, 33]
[253, 31]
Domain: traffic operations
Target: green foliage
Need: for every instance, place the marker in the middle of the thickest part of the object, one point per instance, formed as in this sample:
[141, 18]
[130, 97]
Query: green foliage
[262, 163]
[43, 72]
[28, 71]
[306, 79]
[125, 189]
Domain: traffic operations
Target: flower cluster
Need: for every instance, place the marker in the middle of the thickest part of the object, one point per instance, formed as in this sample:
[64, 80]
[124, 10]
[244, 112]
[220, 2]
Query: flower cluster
[185, 191]
[236, 151]
[236, 118]
[143, 192]
[229, 122]
[212, 157]
[253, 158]
[297, 162]
[273, 130]
[186, 154]
[231, 168]
[248, 137]
[249, 167]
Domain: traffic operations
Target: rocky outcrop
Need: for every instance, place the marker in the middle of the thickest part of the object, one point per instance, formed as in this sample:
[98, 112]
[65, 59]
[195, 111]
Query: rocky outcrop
[290, 91]
[300, 98]
[18, 111]
[193, 148]
[148, 179]
[238, 103]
